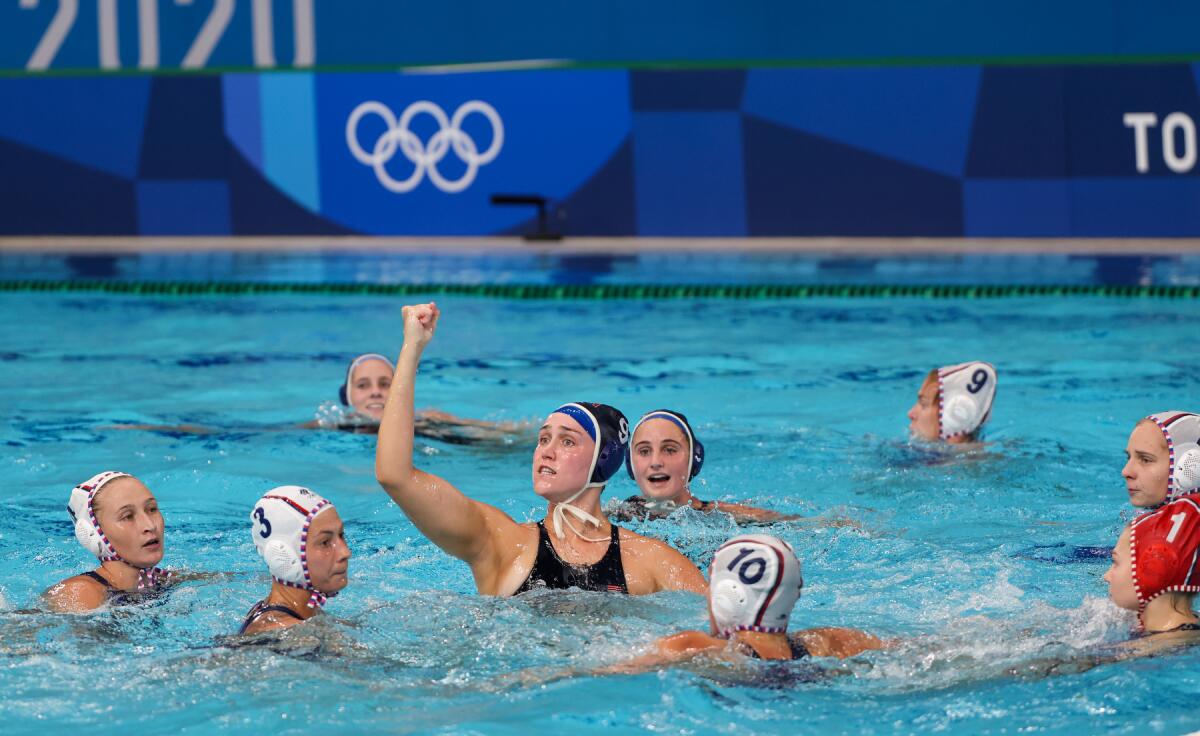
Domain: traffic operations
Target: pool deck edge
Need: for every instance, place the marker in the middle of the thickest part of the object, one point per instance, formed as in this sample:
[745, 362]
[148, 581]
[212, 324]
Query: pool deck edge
[617, 246]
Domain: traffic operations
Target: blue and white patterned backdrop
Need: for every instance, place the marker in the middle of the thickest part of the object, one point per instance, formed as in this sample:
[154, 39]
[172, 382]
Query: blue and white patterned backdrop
[93, 146]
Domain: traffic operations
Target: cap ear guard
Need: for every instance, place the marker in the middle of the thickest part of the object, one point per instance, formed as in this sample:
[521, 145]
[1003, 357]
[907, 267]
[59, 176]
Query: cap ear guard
[342, 397]
[608, 462]
[727, 597]
[81, 508]
[697, 458]
[282, 561]
[1187, 471]
[89, 538]
[965, 395]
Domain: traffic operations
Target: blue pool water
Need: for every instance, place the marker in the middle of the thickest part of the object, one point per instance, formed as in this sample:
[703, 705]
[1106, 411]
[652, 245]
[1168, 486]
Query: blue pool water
[970, 562]
[458, 265]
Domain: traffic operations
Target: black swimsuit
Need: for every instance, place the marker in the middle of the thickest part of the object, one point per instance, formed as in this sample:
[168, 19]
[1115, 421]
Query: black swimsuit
[550, 571]
[118, 597]
[262, 608]
[637, 508]
[799, 651]
[1181, 627]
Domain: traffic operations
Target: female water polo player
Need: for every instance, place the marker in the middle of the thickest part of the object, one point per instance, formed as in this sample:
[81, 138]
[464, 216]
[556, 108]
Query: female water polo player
[361, 398]
[664, 457]
[116, 519]
[579, 447]
[754, 582]
[1163, 458]
[954, 403]
[301, 538]
[364, 393]
[1154, 569]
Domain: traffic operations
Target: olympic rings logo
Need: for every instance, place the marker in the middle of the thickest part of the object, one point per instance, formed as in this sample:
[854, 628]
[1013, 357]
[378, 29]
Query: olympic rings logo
[425, 157]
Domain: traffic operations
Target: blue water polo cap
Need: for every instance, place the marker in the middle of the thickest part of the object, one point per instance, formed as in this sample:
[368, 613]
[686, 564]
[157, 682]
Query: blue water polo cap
[608, 428]
[695, 447]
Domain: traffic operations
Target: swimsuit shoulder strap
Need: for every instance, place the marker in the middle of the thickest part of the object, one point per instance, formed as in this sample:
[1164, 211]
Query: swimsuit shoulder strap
[261, 609]
[609, 572]
[799, 651]
[99, 579]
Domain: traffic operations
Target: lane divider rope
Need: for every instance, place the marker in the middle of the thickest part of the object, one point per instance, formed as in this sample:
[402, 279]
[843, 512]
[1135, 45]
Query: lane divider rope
[607, 291]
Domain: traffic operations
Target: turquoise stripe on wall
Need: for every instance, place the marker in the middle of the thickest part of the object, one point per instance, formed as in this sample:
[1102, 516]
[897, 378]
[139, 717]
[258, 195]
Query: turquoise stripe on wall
[289, 136]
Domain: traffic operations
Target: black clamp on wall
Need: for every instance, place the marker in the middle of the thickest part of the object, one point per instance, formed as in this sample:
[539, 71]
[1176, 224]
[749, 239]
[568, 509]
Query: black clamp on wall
[542, 233]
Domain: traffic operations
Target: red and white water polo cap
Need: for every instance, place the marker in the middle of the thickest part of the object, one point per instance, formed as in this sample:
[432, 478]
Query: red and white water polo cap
[1164, 546]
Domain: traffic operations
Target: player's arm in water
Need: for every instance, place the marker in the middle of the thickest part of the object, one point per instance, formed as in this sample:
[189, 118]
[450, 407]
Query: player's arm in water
[429, 423]
[743, 514]
[829, 641]
[484, 537]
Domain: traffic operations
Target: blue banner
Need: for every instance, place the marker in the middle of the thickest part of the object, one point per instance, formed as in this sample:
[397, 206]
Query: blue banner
[153, 35]
[1002, 151]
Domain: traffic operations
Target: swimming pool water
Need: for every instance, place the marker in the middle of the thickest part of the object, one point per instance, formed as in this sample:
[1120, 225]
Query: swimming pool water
[970, 562]
[467, 266]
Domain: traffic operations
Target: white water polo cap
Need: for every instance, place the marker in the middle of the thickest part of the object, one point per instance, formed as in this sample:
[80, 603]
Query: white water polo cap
[348, 384]
[83, 513]
[754, 582]
[1182, 432]
[280, 523]
[965, 394]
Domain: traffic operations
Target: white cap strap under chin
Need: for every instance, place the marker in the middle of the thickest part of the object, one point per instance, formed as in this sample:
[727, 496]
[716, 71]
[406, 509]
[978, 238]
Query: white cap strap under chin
[561, 510]
[965, 395]
[1181, 430]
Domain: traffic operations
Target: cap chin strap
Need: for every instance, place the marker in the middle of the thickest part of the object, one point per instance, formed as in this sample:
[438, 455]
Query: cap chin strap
[316, 599]
[149, 578]
[568, 507]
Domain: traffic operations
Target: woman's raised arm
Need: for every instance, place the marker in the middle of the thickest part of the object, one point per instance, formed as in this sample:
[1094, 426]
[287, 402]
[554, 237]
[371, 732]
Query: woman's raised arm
[439, 510]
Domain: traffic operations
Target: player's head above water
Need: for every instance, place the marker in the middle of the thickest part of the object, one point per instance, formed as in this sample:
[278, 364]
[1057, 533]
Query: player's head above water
[954, 403]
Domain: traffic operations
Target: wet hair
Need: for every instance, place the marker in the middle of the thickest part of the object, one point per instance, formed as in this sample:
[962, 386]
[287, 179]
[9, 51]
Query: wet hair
[931, 378]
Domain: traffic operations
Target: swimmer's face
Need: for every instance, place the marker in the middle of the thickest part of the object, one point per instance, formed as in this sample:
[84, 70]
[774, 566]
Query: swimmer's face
[1120, 575]
[328, 553]
[128, 513]
[369, 384]
[660, 459]
[1147, 467]
[923, 416]
[562, 458]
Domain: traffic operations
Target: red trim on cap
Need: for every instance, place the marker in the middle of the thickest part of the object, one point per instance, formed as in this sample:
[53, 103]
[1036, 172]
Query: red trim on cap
[762, 611]
[291, 503]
